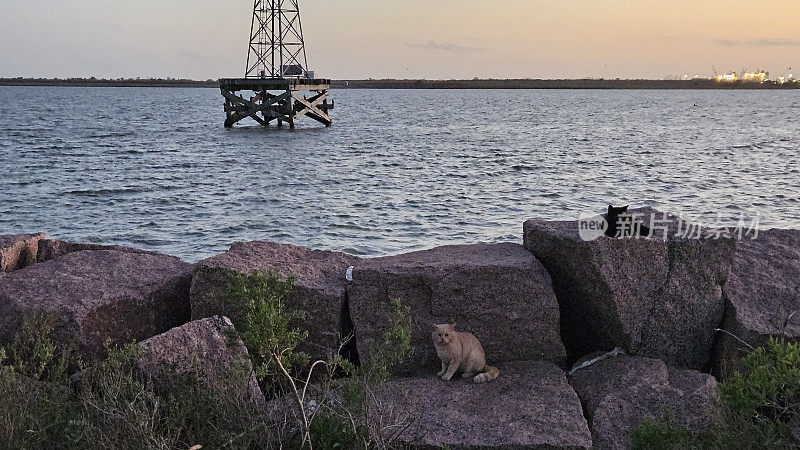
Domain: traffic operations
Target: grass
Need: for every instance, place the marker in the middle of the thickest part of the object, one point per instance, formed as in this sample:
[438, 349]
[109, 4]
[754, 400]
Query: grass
[110, 405]
[51, 400]
[272, 334]
[665, 434]
[36, 414]
[34, 354]
[759, 404]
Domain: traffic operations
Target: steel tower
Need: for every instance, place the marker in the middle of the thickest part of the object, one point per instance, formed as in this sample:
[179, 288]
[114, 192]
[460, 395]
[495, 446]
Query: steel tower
[277, 85]
[276, 47]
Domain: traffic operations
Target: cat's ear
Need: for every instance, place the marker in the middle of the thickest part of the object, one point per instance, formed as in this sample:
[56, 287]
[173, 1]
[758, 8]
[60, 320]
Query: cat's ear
[453, 326]
[625, 208]
[610, 208]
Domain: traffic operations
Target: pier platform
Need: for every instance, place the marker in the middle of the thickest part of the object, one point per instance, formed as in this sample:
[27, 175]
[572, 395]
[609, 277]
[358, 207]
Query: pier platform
[278, 99]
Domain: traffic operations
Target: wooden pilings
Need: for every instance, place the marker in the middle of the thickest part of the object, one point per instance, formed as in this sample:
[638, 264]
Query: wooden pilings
[279, 99]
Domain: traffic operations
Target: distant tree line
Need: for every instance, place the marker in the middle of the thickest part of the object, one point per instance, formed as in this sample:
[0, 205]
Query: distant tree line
[475, 83]
[108, 82]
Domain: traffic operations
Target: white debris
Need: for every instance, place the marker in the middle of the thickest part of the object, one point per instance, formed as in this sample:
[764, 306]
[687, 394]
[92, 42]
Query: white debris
[613, 353]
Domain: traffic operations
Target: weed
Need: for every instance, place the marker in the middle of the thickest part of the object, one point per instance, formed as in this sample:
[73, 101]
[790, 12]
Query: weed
[760, 407]
[34, 354]
[269, 328]
[113, 405]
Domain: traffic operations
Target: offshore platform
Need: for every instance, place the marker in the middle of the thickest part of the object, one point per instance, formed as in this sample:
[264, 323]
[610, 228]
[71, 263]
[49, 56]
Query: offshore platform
[277, 84]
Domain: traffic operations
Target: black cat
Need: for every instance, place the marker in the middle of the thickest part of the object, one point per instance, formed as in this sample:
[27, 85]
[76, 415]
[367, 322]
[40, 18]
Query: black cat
[615, 216]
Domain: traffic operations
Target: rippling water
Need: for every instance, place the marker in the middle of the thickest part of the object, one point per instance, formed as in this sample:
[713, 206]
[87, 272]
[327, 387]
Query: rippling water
[399, 170]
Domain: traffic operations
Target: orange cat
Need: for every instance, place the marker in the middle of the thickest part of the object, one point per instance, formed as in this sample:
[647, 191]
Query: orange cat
[461, 351]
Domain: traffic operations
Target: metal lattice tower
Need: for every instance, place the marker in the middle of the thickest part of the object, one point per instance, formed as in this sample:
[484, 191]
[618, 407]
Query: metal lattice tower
[277, 85]
[276, 48]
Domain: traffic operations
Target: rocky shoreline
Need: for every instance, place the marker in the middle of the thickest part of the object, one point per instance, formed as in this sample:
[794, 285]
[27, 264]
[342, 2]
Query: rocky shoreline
[539, 309]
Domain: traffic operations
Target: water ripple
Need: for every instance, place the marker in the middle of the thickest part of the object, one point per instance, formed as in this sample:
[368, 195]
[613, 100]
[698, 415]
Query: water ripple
[389, 176]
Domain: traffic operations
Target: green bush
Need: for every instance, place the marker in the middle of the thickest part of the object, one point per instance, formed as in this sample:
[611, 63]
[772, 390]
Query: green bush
[33, 353]
[759, 406]
[392, 349]
[352, 422]
[37, 409]
[36, 414]
[763, 398]
[272, 335]
[123, 410]
[395, 344]
[269, 329]
[119, 410]
[768, 386]
[111, 405]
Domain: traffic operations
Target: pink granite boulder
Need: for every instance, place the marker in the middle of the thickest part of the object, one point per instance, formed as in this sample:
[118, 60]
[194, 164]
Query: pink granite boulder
[99, 296]
[53, 248]
[498, 292]
[653, 297]
[763, 295]
[619, 393]
[208, 350]
[319, 286]
[18, 251]
[531, 405]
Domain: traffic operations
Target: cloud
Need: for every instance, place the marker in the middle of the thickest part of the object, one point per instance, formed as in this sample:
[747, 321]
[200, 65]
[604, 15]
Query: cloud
[445, 47]
[759, 42]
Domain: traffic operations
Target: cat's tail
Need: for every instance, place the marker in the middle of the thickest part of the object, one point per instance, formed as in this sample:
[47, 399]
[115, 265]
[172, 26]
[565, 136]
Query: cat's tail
[490, 374]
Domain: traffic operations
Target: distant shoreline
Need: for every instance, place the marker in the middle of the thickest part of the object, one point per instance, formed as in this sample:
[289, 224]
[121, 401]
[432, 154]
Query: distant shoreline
[423, 84]
[554, 84]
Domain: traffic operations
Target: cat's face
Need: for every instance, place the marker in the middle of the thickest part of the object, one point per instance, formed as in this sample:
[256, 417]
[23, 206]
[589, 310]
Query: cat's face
[612, 211]
[443, 333]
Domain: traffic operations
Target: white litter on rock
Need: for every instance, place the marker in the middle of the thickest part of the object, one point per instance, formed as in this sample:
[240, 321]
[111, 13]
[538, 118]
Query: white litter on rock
[613, 353]
[349, 274]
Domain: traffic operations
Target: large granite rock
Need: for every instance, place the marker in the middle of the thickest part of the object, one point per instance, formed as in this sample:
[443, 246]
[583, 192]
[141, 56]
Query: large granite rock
[652, 297]
[98, 295]
[52, 248]
[763, 295]
[619, 393]
[18, 251]
[530, 405]
[208, 350]
[319, 286]
[498, 292]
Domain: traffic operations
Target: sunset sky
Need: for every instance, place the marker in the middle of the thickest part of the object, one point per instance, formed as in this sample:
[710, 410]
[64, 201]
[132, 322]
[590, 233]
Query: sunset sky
[406, 39]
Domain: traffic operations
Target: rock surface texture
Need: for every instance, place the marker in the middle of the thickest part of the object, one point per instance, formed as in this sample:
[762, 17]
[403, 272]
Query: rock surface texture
[96, 296]
[319, 286]
[762, 295]
[529, 406]
[619, 393]
[208, 349]
[18, 251]
[498, 292]
[652, 297]
[53, 248]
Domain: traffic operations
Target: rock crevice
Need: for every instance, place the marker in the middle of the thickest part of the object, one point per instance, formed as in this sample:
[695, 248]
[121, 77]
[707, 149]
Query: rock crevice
[619, 393]
[18, 251]
[319, 286]
[498, 292]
